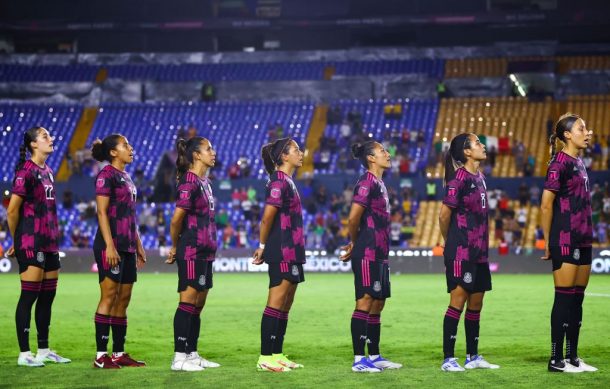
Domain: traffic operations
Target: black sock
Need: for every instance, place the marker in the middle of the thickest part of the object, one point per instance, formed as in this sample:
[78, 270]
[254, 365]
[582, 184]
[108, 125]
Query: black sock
[43, 311]
[450, 326]
[471, 325]
[269, 324]
[560, 316]
[119, 333]
[23, 314]
[359, 328]
[575, 322]
[182, 325]
[282, 324]
[193, 337]
[373, 332]
[102, 331]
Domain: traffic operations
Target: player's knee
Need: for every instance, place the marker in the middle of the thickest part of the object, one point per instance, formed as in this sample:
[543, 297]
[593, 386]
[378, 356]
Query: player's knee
[364, 303]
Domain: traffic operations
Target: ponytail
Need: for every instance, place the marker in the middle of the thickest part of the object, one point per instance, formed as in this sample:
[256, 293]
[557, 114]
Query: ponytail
[565, 123]
[29, 136]
[272, 154]
[100, 149]
[362, 150]
[185, 150]
[455, 157]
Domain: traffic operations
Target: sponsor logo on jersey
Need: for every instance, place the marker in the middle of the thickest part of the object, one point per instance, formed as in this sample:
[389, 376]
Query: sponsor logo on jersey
[19, 181]
[363, 191]
[275, 193]
[451, 191]
[185, 195]
[100, 183]
[553, 174]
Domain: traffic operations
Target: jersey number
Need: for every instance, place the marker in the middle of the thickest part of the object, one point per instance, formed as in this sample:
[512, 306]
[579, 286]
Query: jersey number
[587, 183]
[49, 193]
[483, 202]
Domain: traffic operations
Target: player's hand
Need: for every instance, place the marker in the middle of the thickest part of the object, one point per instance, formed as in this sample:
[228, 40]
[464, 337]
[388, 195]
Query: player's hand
[171, 256]
[112, 256]
[547, 254]
[141, 257]
[257, 257]
[10, 253]
[347, 252]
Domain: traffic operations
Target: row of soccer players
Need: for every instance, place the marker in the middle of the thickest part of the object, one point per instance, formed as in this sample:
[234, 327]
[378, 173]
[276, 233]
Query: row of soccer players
[118, 251]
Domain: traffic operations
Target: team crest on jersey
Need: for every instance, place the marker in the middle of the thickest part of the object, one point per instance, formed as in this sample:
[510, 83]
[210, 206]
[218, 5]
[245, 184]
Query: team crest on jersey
[19, 181]
[553, 175]
[202, 280]
[467, 277]
[40, 257]
[451, 191]
[115, 270]
[576, 254]
[377, 286]
[295, 270]
[275, 193]
[363, 191]
[185, 195]
[100, 183]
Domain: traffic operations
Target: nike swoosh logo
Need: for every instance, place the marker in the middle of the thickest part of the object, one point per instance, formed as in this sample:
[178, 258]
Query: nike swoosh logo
[100, 365]
[558, 368]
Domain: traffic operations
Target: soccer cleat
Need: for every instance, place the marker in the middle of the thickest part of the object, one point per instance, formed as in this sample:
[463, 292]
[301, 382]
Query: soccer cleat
[284, 361]
[185, 364]
[365, 366]
[451, 364]
[51, 356]
[29, 360]
[266, 363]
[105, 362]
[383, 363]
[478, 362]
[579, 363]
[561, 366]
[125, 360]
[197, 359]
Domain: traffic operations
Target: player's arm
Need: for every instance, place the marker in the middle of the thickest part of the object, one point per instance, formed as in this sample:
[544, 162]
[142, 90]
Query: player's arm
[140, 252]
[444, 218]
[12, 217]
[103, 202]
[353, 225]
[269, 214]
[175, 229]
[546, 217]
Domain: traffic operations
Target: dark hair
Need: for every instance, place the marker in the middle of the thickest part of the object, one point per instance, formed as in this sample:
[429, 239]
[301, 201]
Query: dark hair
[272, 153]
[100, 150]
[185, 149]
[455, 155]
[29, 136]
[565, 123]
[361, 150]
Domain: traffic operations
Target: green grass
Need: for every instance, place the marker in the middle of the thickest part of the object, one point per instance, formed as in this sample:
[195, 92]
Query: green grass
[514, 334]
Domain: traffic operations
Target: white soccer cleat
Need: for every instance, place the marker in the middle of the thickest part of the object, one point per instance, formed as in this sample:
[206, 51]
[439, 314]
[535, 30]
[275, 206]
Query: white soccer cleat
[51, 356]
[382, 363]
[582, 365]
[563, 366]
[451, 364]
[365, 366]
[185, 365]
[478, 362]
[197, 359]
[28, 360]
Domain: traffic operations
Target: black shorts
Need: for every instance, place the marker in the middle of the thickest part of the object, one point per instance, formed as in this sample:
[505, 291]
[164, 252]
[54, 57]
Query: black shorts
[574, 255]
[372, 278]
[279, 271]
[125, 272]
[473, 277]
[198, 274]
[46, 261]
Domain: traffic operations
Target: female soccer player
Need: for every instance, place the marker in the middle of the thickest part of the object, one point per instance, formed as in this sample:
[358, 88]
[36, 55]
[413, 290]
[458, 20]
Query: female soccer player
[32, 221]
[117, 248]
[369, 231]
[463, 223]
[193, 233]
[282, 247]
[568, 231]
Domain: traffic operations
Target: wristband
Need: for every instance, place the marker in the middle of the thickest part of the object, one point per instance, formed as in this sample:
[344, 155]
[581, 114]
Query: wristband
[261, 246]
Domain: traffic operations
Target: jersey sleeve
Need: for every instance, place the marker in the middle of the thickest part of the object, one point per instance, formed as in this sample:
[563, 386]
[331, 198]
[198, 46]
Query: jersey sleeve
[453, 191]
[22, 184]
[275, 193]
[553, 177]
[103, 184]
[362, 193]
[186, 196]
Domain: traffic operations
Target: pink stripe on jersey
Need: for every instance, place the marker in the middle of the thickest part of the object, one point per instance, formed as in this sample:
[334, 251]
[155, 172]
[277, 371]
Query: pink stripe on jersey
[366, 278]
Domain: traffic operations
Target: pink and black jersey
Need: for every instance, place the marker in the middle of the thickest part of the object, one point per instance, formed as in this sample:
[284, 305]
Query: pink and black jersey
[286, 242]
[373, 241]
[571, 225]
[468, 234]
[117, 185]
[37, 230]
[198, 237]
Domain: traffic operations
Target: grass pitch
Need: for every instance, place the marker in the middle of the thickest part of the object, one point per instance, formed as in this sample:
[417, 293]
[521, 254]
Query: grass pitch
[514, 334]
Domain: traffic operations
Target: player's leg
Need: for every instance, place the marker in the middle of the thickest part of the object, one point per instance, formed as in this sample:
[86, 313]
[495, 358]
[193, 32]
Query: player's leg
[31, 283]
[193, 337]
[109, 289]
[472, 325]
[458, 297]
[278, 345]
[182, 326]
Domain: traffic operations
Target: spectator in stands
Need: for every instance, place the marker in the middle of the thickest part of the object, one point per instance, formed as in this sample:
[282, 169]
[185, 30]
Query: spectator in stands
[596, 150]
[234, 172]
[587, 159]
[523, 193]
[491, 156]
[321, 196]
[534, 195]
[191, 132]
[222, 219]
[522, 216]
[602, 231]
[246, 207]
[431, 190]
[346, 131]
